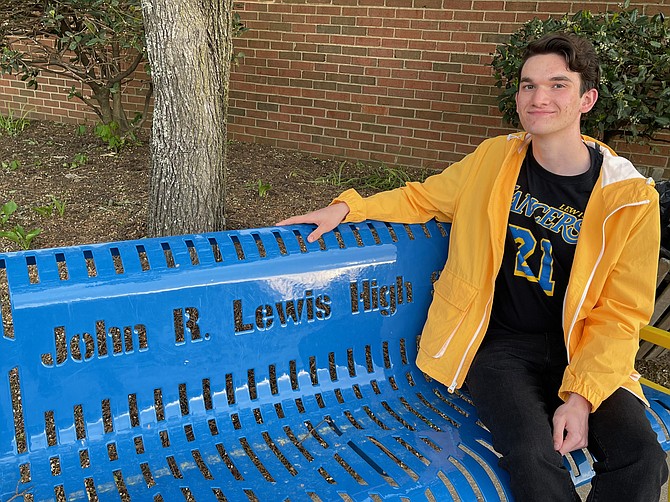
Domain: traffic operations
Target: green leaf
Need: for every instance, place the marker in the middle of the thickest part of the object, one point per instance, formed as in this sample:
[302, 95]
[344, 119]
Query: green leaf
[7, 210]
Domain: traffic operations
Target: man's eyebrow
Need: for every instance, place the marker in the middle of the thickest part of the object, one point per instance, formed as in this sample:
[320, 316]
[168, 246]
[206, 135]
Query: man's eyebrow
[557, 78]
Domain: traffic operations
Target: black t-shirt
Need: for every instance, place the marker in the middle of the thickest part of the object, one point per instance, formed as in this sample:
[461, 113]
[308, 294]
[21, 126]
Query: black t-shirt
[545, 219]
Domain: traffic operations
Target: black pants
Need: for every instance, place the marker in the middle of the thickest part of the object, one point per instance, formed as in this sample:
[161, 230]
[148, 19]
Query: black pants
[514, 382]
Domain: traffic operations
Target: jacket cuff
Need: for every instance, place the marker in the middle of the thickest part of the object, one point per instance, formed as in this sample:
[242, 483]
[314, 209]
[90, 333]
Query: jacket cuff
[571, 385]
[356, 205]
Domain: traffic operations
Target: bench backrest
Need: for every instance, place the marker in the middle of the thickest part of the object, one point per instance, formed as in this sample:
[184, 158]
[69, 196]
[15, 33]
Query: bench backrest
[99, 339]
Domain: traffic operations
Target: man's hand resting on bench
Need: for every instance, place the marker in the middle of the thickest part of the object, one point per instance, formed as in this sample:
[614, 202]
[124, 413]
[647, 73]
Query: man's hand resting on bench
[325, 219]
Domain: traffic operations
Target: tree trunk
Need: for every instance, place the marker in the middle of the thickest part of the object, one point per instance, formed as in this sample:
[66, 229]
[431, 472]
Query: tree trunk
[189, 46]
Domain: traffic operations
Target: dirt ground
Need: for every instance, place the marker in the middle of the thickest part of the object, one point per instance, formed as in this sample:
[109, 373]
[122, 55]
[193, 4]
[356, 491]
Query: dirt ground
[68, 184]
[105, 194]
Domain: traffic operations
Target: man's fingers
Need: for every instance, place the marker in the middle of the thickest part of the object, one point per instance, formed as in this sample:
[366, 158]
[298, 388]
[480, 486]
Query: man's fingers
[568, 436]
[572, 442]
[314, 236]
[566, 441]
[559, 431]
[293, 220]
[306, 218]
[571, 424]
[325, 219]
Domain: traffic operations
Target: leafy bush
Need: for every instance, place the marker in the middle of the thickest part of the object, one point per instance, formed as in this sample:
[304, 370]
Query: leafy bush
[634, 100]
[98, 43]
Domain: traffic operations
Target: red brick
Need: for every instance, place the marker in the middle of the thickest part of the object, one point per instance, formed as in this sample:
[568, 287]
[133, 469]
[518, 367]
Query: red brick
[346, 143]
[369, 41]
[395, 43]
[360, 136]
[396, 23]
[383, 13]
[500, 17]
[556, 7]
[379, 52]
[409, 13]
[391, 122]
[385, 139]
[372, 23]
[391, 82]
[445, 49]
[468, 16]
[423, 45]
[488, 5]
[329, 10]
[378, 72]
[418, 65]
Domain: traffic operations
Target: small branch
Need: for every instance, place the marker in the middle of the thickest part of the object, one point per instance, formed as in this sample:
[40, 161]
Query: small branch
[19, 495]
[147, 102]
[661, 140]
[130, 70]
[48, 67]
[625, 135]
[90, 103]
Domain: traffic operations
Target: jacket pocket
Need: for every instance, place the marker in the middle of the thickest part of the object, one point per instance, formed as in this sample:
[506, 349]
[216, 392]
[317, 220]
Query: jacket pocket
[451, 303]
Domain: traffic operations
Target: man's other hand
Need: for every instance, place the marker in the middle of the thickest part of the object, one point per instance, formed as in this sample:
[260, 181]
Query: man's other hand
[325, 219]
[571, 424]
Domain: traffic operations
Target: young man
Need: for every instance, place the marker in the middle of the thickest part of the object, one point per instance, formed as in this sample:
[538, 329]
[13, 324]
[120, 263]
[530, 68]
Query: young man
[551, 274]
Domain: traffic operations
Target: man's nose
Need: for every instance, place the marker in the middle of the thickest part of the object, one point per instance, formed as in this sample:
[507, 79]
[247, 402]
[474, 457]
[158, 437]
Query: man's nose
[540, 96]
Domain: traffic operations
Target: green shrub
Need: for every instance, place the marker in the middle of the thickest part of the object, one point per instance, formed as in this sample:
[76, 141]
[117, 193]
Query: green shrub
[634, 53]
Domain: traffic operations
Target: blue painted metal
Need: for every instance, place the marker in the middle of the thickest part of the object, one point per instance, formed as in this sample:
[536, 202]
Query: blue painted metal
[246, 365]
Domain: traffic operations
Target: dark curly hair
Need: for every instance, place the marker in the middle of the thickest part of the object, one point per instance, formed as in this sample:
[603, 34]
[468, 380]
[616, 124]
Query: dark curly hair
[579, 54]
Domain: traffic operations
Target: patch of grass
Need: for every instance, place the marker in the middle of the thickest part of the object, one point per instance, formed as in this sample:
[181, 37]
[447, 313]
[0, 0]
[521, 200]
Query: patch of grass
[13, 126]
[56, 206]
[263, 188]
[45, 211]
[336, 178]
[379, 178]
[17, 233]
[112, 135]
[387, 178]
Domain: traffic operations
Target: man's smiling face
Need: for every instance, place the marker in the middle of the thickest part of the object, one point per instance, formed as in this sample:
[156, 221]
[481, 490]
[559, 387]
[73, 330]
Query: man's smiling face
[549, 101]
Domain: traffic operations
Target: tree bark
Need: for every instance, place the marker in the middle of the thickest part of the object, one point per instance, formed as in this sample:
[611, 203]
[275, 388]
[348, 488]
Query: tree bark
[189, 46]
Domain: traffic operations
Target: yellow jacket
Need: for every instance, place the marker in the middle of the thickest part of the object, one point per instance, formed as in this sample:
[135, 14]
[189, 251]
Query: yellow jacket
[610, 293]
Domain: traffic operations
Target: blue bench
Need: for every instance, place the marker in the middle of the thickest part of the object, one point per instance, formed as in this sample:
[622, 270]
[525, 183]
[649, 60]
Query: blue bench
[230, 366]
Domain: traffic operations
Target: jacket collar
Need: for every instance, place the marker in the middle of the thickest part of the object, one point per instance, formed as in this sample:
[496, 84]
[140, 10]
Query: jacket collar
[614, 168]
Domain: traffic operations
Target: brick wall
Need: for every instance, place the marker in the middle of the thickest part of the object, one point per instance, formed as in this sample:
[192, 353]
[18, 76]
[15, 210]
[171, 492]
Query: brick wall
[50, 101]
[404, 82]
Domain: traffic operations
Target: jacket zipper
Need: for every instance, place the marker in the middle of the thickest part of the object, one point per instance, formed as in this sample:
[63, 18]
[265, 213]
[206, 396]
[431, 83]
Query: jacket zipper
[593, 272]
[454, 384]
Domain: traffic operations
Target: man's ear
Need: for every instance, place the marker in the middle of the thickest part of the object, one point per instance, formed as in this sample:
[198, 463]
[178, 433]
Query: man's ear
[589, 99]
